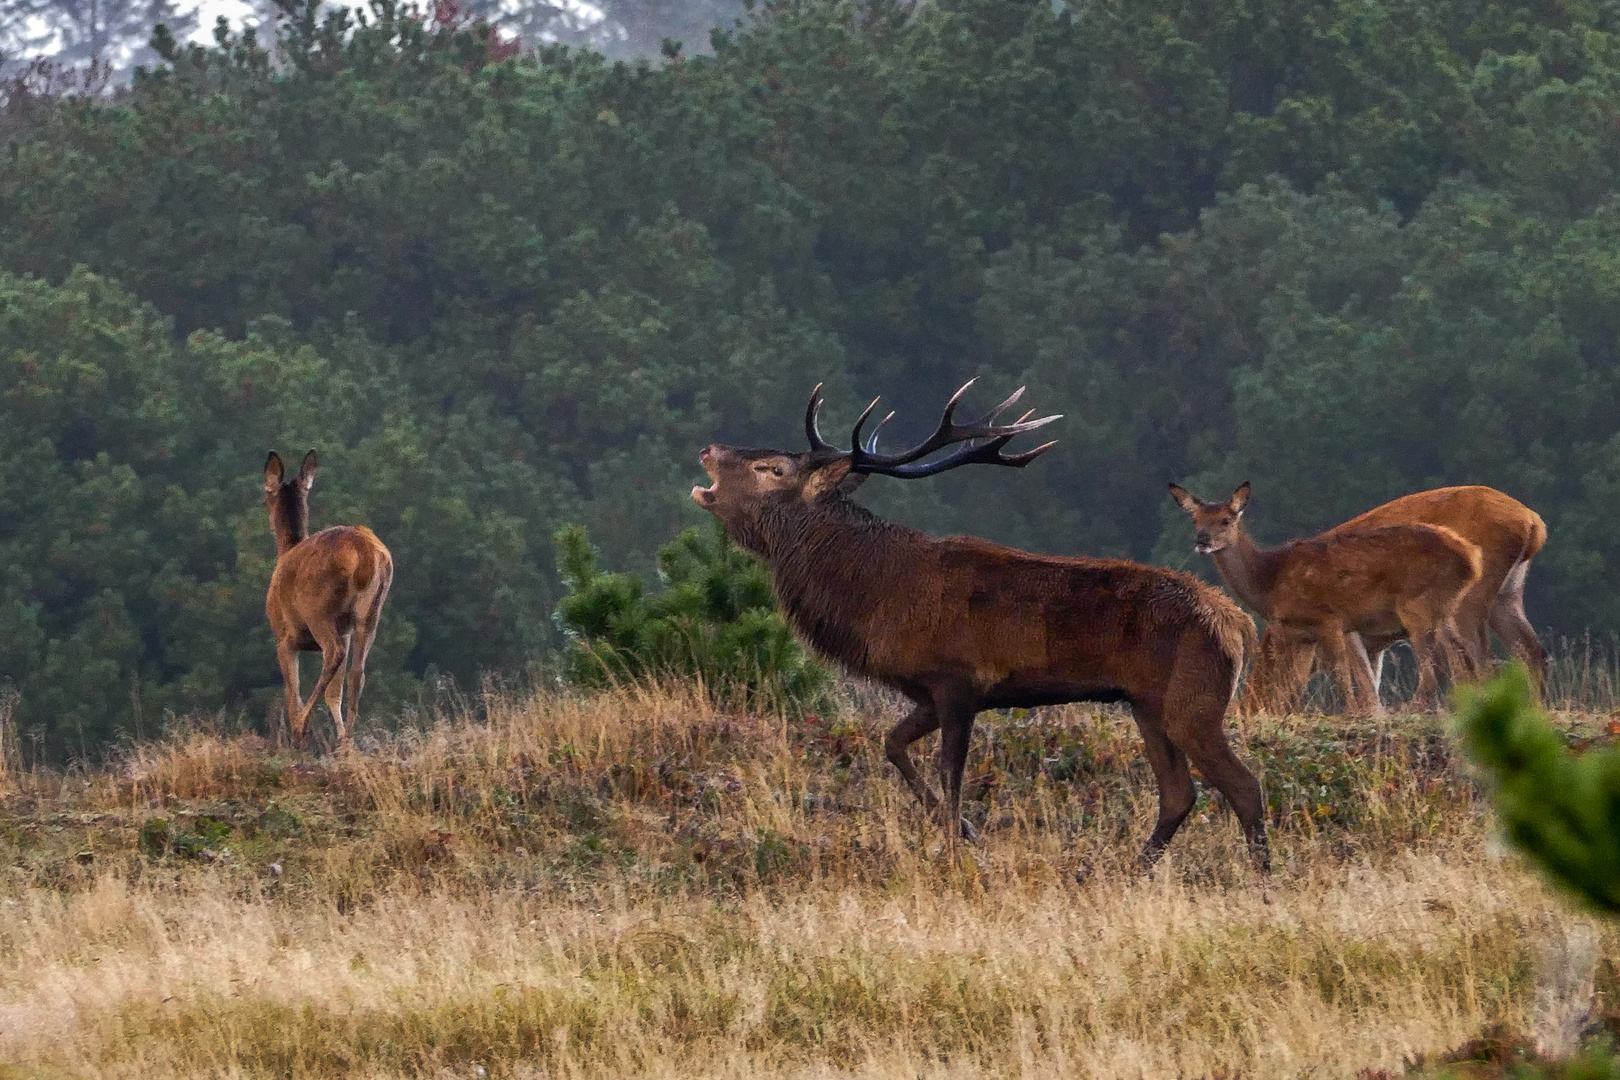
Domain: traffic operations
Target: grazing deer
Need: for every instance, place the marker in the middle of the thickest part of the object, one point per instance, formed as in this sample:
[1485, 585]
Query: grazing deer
[1508, 534]
[960, 624]
[1379, 583]
[326, 593]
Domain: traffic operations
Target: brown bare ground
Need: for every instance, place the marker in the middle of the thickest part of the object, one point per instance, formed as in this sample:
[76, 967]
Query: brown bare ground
[638, 884]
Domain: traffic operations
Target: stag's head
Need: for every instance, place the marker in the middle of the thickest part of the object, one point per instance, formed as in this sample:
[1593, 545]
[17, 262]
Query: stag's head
[288, 500]
[747, 483]
[1217, 523]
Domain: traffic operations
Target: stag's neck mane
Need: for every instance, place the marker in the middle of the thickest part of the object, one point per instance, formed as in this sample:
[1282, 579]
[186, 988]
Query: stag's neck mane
[1250, 570]
[833, 561]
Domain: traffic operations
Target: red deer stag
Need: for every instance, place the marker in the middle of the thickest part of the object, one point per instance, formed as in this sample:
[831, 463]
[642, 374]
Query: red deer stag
[1383, 582]
[1508, 534]
[326, 593]
[960, 624]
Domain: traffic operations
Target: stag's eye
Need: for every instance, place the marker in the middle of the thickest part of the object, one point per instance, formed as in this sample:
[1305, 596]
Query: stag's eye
[777, 470]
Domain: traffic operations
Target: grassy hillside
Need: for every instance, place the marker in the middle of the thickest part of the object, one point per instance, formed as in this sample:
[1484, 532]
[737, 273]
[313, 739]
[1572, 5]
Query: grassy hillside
[634, 883]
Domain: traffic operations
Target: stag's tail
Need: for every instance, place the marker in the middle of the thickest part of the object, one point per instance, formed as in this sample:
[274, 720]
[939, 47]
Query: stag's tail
[1217, 615]
[1231, 626]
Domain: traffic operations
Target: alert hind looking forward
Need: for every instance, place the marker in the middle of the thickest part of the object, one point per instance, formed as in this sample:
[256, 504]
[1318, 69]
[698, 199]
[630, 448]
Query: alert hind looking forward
[326, 594]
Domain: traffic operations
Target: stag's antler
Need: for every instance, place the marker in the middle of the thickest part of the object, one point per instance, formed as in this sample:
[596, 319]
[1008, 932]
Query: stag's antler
[864, 458]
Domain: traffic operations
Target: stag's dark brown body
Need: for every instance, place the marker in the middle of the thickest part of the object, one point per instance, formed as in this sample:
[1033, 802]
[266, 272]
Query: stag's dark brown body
[959, 625]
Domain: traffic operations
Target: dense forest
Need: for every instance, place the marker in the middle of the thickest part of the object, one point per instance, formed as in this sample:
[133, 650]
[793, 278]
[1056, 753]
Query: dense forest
[1346, 250]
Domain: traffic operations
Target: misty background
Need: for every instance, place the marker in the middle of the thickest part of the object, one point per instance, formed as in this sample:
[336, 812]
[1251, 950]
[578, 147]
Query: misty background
[509, 276]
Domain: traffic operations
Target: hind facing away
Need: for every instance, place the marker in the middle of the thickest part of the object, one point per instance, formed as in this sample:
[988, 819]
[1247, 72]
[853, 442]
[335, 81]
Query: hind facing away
[326, 594]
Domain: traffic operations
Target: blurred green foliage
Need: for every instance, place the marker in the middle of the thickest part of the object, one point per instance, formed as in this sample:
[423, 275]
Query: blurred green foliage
[715, 620]
[1348, 250]
[1561, 808]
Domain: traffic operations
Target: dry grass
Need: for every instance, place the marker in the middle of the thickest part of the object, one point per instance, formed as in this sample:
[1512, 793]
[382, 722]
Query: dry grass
[635, 885]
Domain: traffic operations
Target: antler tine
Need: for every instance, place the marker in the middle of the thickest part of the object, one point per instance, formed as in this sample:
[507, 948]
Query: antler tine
[855, 435]
[987, 453]
[872, 439]
[989, 418]
[867, 459]
[812, 430]
[984, 437]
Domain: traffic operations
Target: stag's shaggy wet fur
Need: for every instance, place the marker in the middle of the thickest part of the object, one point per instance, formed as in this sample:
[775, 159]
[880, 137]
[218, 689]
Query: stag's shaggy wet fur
[960, 624]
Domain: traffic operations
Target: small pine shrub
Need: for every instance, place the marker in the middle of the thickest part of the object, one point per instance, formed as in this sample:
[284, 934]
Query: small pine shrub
[1562, 809]
[715, 620]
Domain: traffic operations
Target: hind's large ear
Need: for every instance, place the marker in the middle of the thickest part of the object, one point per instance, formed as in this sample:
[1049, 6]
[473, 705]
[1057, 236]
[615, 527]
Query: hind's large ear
[273, 471]
[308, 470]
[1183, 497]
[1240, 497]
[832, 475]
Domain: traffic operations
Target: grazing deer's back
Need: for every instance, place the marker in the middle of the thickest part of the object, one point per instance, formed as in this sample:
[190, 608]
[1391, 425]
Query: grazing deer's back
[1365, 569]
[1501, 525]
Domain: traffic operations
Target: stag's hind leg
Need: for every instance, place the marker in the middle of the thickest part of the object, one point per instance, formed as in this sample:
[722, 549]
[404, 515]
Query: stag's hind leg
[1169, 764]
[1196, 723]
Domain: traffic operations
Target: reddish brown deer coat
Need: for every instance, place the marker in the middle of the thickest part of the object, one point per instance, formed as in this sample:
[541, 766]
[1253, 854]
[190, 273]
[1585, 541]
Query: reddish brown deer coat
[961, 624]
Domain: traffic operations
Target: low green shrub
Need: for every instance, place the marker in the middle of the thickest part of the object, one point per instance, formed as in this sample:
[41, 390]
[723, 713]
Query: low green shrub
[715, 620]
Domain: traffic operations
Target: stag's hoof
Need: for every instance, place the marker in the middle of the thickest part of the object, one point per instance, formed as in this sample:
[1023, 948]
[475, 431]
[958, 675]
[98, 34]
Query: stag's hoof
[969, 833]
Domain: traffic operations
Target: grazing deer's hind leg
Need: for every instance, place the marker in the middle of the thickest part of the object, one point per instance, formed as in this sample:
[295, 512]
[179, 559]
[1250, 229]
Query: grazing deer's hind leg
[1354, 676]
[334, 651]
[365, 632]
[287, 654]
[1508, 619]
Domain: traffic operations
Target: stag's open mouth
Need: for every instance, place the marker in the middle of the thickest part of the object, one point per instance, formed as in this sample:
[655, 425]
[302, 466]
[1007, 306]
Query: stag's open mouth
[705, 496]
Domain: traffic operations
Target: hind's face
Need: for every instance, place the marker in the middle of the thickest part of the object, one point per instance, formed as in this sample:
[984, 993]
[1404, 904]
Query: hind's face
[1216, 525]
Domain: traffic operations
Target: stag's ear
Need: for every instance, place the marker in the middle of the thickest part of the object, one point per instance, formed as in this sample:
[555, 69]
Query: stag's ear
[1240, 497]
[829, 476]
[308, 471]
[1183, 497]
[273, 470]
[849, 483]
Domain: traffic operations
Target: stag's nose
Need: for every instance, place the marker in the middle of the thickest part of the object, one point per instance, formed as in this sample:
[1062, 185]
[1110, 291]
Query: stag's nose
[705, 453]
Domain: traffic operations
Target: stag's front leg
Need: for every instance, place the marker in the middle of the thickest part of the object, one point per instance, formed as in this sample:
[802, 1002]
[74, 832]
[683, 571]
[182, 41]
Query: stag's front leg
[917, 723]
[956, 713]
